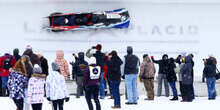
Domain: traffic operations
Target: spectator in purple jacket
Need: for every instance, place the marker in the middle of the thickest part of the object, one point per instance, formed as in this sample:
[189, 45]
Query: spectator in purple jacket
[91, 83]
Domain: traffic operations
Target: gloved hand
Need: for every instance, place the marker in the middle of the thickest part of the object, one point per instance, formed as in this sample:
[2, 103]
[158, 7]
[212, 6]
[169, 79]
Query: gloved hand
[48, 98]
[71, 63]
[73, 77]
[67, 99]
[141, 79]
[152, 57]
[123, 76]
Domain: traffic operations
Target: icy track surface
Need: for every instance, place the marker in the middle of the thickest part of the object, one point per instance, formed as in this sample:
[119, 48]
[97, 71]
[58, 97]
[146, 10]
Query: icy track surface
[161, 103]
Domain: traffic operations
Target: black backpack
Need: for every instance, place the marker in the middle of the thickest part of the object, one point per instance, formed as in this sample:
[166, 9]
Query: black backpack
[7, 64]
[100, 59]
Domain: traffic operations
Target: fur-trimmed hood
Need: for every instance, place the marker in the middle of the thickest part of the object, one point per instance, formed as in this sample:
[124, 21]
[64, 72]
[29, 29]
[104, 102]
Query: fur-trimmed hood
[59, 54]
[43, 76]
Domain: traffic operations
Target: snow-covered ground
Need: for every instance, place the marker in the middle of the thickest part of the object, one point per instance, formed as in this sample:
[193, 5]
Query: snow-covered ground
[160, 103]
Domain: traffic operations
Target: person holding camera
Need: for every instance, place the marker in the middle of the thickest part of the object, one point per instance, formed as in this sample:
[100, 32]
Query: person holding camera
[210, 73]
[100, 61]
[163, 65]
[78, 70]
[114, 73]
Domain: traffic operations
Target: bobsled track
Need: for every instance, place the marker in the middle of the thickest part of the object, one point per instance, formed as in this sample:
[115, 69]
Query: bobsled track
[157, 27]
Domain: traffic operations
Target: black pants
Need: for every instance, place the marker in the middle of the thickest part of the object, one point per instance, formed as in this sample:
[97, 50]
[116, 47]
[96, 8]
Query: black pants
[181, 87]
[79, 82]
[92, 90]
[19, 103]
[58, 103]
[36, 106]
[186, 92]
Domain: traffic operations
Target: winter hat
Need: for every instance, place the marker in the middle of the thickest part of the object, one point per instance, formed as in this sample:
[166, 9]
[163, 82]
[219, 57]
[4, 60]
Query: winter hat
[37, 69]
[129, 50]
[114, 53]
[165, 55]
[98, 47]
[55, 66]
[81, 55]
[16, 51]
[28, 47]
[92, 60]
[145, 55]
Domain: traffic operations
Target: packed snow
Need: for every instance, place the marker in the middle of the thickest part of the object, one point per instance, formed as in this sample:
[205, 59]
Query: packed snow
[160, 103]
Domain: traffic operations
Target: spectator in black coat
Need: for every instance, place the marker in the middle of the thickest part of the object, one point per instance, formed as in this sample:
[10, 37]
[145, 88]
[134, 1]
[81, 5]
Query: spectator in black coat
[192, 86]
[162, 74]
[78, 70]
[210, 73]
[171, 78]
[114, 72]
[44, 64]
[33, 57]
[16, 54]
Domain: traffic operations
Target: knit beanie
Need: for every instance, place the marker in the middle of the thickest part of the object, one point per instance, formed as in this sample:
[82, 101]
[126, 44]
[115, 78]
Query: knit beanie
[98, 47]
[37, 69]
[92, 60]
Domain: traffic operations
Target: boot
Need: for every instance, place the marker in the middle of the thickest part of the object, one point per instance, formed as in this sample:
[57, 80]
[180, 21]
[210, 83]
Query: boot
[4, 92]
[174, 98]
[116, 107]
[111, 97]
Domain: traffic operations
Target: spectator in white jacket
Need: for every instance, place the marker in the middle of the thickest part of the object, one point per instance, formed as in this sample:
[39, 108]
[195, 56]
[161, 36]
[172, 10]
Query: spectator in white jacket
[56, 90]
[36, 83]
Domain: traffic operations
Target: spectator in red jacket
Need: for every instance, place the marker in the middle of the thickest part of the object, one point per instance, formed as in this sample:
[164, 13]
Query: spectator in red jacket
[6, 62]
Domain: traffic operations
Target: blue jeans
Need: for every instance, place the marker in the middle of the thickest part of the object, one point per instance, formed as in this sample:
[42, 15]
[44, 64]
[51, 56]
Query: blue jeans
[211, 87]
[110, 87]
[173, 87]
[116, 93]
[4, 82]
[102, 86]
[131, 85]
